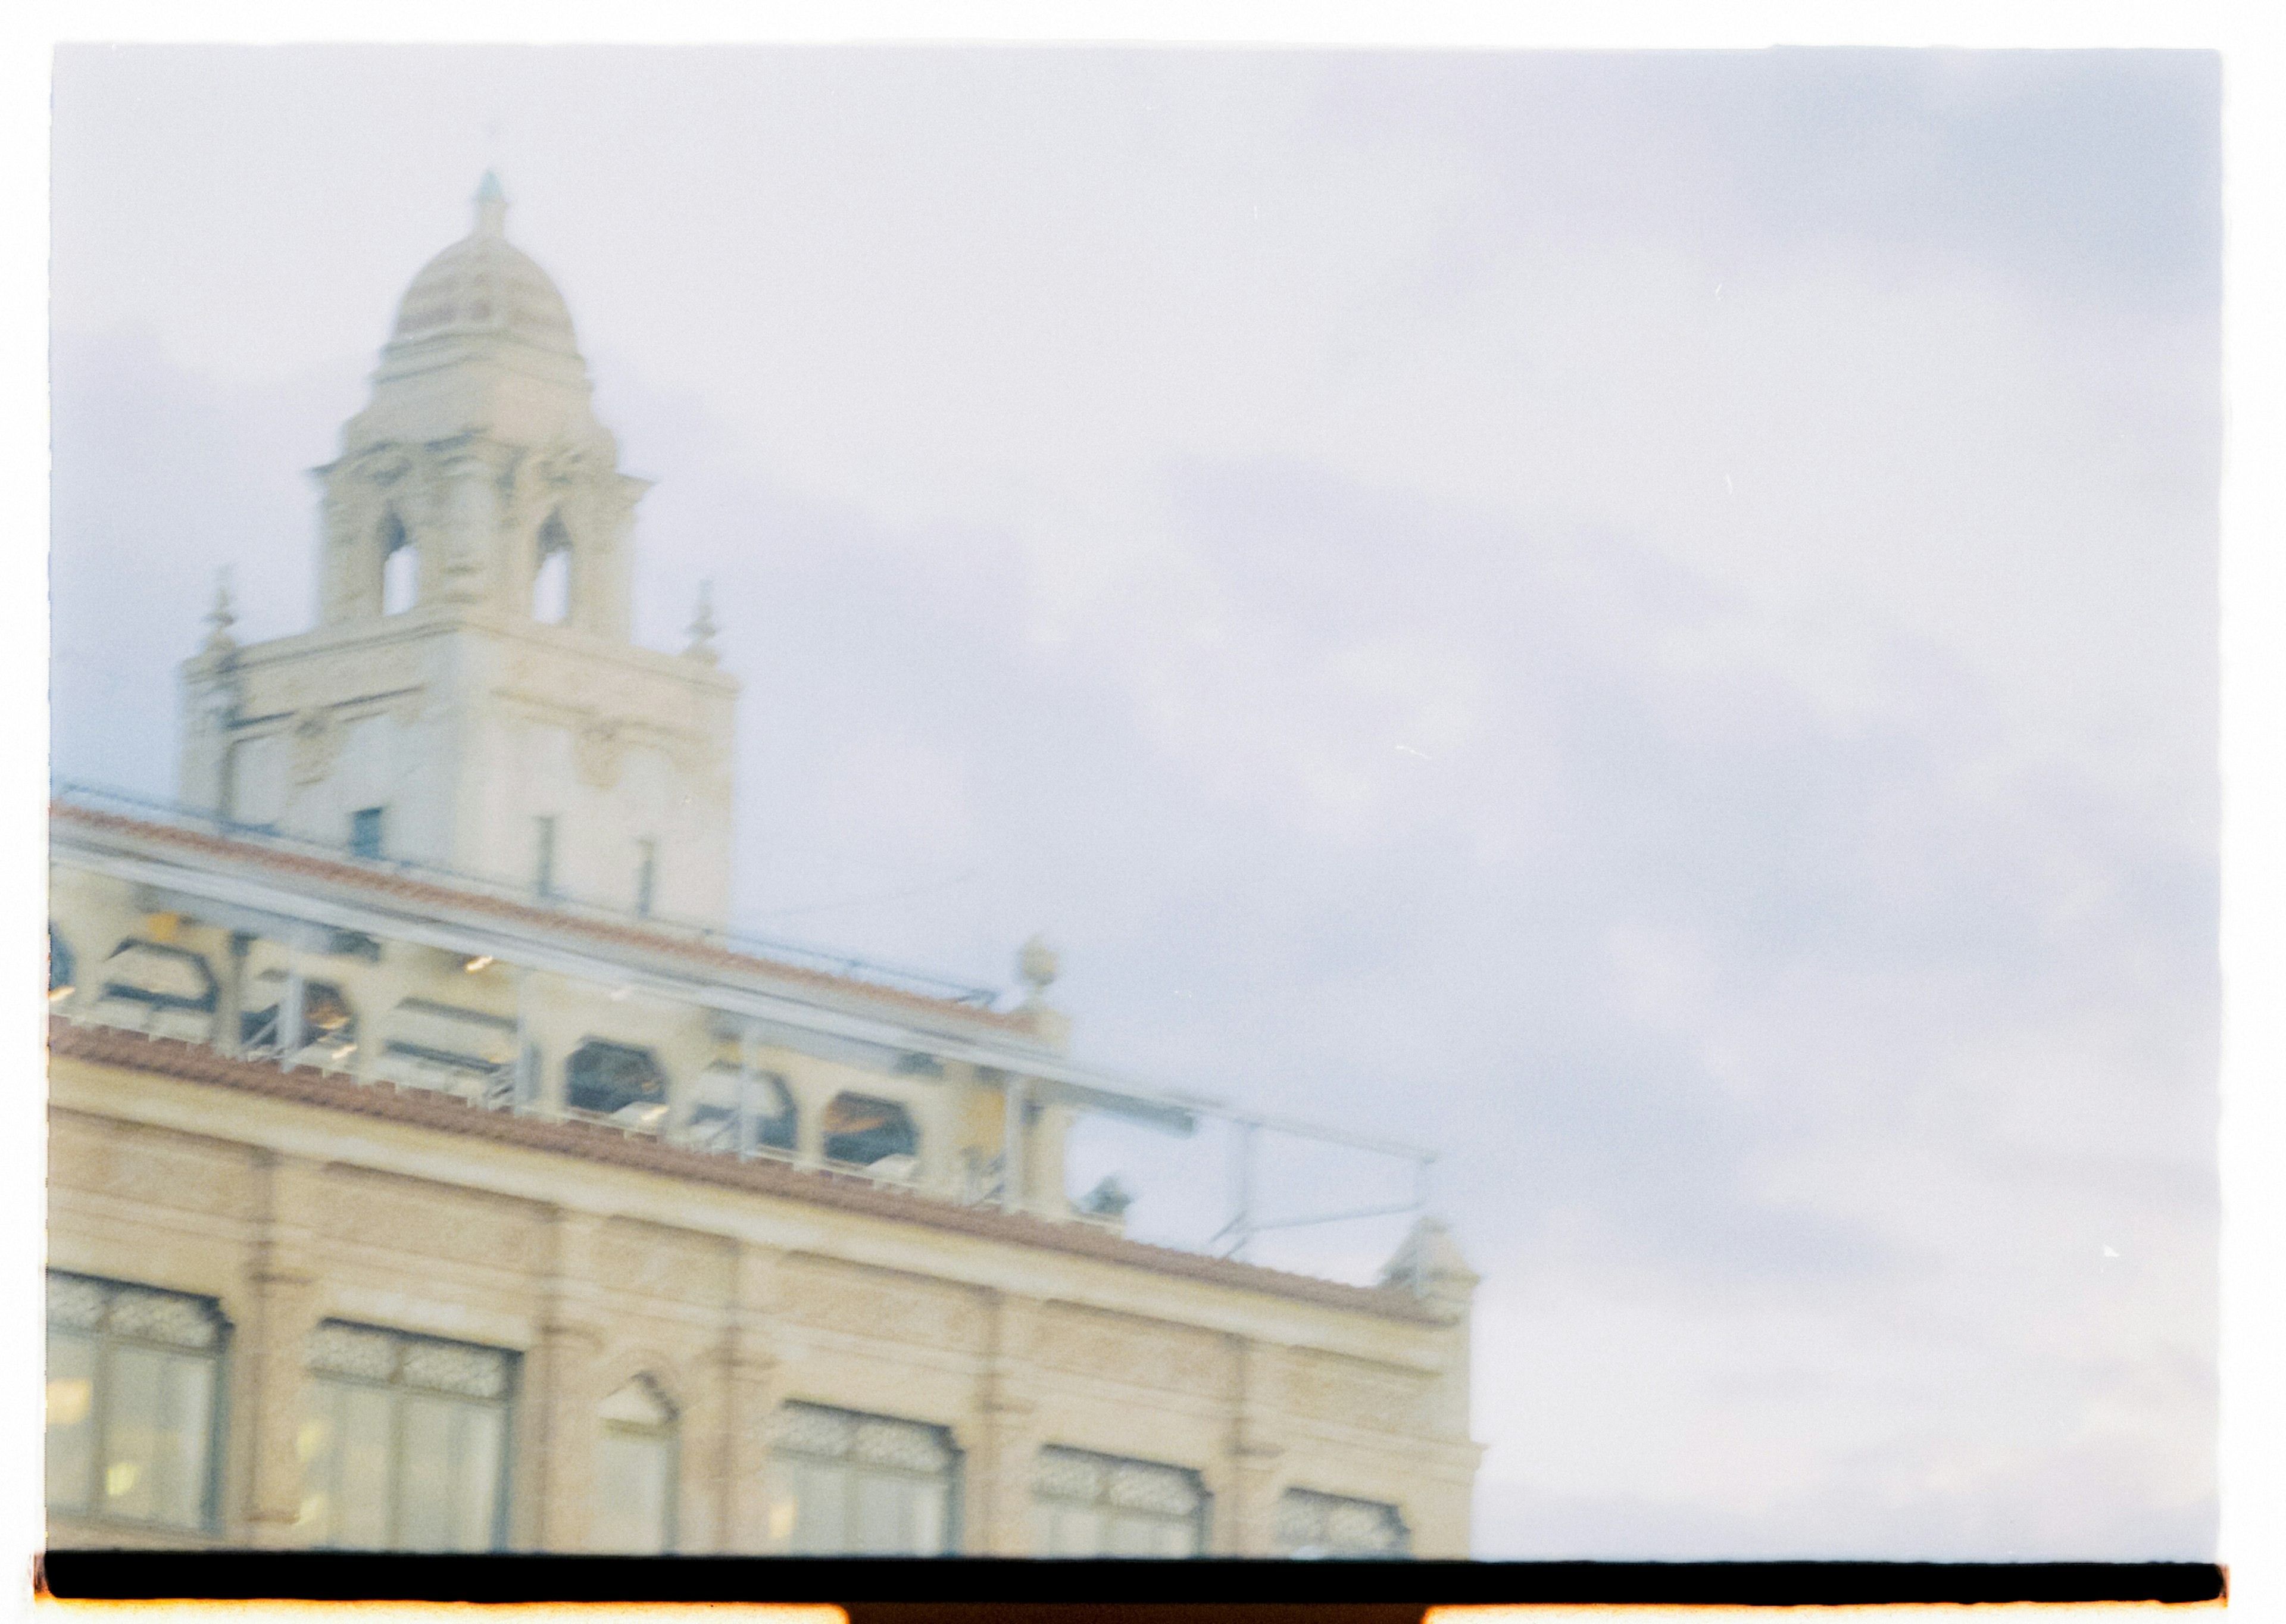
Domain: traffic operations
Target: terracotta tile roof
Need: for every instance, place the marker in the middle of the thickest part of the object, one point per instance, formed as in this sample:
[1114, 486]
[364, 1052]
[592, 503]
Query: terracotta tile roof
[604, 933]
[594, 1142]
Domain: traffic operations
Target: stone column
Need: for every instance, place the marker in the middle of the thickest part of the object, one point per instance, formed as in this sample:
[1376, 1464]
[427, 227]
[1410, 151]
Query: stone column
[998, 1501]
[288, 1304]
[559, 1452]
[1246, 1523]
[749, 1377]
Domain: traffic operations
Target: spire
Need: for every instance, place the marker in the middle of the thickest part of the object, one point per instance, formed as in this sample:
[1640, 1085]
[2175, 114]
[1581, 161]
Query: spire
[220, 641]
[492, 206]
[703, 628]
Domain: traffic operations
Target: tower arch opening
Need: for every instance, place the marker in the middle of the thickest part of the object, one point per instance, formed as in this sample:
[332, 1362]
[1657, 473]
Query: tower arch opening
[551, 582]
[400, 566]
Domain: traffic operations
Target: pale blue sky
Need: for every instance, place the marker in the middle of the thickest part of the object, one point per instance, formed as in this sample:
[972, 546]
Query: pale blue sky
[1647, 621]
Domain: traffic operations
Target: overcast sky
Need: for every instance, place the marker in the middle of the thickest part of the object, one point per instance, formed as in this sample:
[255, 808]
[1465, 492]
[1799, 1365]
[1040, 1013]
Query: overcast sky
[1647, 622]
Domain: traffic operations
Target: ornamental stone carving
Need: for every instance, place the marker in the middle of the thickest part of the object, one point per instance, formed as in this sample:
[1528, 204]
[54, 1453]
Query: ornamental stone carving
[318, 736]
[599, 751]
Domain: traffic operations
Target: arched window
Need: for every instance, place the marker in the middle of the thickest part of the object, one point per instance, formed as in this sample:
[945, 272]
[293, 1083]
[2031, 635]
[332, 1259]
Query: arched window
[551, 583]
[400, 567]
[862, 1131]
[613, 1080]
[634, 1472]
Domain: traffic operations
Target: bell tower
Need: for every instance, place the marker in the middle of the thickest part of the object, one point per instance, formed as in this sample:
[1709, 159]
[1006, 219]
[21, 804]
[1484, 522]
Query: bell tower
[471, 698]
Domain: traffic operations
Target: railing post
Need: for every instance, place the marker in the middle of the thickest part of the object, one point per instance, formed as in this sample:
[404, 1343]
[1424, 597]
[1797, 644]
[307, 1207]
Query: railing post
[1240, 1222]
[745, 1088]
[291, 1035]
[1015, 1096]
[526, 1087]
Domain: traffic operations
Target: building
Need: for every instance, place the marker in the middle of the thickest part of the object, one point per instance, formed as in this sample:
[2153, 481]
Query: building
[432, 1169]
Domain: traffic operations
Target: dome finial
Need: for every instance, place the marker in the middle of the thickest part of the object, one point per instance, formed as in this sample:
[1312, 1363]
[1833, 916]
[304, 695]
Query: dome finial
[703, 628]
[219, 617]
[492, 206]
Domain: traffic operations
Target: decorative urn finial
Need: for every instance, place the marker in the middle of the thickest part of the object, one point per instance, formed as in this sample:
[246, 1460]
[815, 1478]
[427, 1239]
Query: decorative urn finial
[702, 628]
[1037, 965]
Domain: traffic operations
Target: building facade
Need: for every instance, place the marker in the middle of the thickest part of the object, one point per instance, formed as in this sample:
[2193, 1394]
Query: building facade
[431, 1168]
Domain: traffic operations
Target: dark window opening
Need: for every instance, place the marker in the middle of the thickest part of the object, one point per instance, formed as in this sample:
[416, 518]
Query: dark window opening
[365, 831]
[608, 1079]
[160, 976]
[646, 875]
[327, 1017]
[551, 582]
[59, 963]
[544, 880]
[400, 567]
[862, 1129]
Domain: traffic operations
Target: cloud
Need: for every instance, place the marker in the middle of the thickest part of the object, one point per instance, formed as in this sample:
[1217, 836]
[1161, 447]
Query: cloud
[1647, 622]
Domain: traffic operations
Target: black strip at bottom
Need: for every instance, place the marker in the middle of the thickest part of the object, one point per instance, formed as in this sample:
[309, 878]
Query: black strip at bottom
[981, 1591]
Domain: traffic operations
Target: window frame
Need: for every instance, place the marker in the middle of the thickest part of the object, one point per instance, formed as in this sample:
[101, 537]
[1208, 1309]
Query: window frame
[1328, 1503]
[106, 1340]
[316, 1380]
[1200, 1519]
[950, 1480]
[667, 1433]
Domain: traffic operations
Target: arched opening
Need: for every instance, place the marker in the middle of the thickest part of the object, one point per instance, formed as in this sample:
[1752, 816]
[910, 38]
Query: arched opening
[864, 1131]
[616, 1081]
[551, 583]
[634, 1472]
[400, 567]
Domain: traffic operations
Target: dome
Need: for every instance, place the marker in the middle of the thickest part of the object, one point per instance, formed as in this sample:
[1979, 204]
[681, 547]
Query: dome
[484, 284]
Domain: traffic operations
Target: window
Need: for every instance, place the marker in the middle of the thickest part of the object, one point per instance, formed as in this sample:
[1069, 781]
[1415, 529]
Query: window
[843, 1484]
[862, 1131]
[466, 1052]
[167, 991]
[544, 879]
[646, 875]
[328, 1024]
[59, 965]
[1314, 1524]
[551, 583]
[1100, 1505]
[405, 1443]
[769, 1115]
[365, 831]
[132, 1390]
[400, 567]
[613, 1080]
[634, 1472]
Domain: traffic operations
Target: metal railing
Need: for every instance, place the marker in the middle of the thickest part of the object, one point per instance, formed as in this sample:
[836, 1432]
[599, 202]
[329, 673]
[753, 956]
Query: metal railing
[797, 955]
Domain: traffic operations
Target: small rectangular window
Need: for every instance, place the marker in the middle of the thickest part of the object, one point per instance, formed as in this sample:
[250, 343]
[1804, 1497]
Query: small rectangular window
[544, 879]
[132, 1392]
[365, 831]
[646, 875]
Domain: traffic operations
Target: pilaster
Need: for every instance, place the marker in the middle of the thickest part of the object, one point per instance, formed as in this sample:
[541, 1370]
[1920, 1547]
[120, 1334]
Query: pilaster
[999, 1503]
[269, 1397]
[1255, 1446]
[749, 1376]
[558, 1444]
